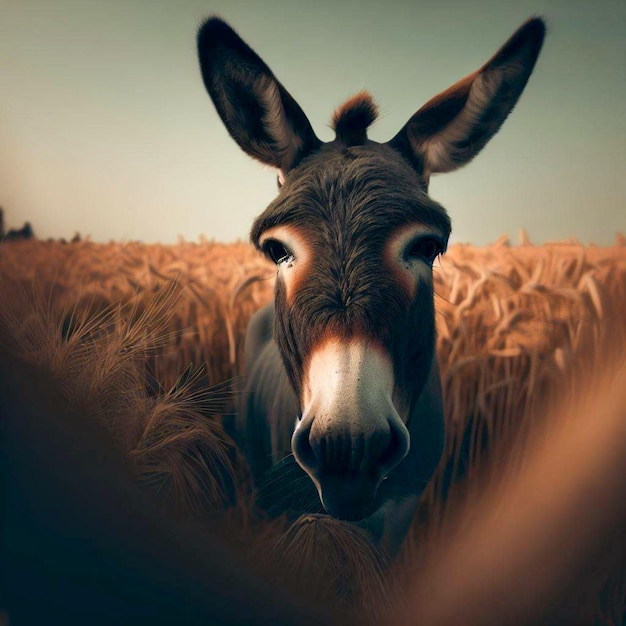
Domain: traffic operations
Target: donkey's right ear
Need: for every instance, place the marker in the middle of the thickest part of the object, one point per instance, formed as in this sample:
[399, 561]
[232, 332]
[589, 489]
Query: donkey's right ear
[451, 128]
[257, 110]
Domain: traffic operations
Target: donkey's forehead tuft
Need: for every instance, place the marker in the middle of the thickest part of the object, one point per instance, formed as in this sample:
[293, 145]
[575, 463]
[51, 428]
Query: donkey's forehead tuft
[351, 120]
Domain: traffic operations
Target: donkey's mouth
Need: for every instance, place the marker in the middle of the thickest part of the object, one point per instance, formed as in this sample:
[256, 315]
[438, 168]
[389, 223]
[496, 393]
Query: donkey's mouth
[287, 489]
[349, 498]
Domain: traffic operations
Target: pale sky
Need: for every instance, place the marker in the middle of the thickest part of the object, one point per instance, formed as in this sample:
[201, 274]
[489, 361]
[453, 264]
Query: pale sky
[105, 127]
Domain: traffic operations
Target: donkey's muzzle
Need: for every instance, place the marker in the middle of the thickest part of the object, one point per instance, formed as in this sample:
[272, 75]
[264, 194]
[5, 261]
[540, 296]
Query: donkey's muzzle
[347, 468]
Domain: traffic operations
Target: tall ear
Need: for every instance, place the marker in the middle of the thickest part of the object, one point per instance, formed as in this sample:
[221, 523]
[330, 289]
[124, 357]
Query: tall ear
[453, 127]
[257, 110]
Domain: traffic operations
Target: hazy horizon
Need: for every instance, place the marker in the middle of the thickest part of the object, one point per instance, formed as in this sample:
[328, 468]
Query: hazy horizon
[106, 130]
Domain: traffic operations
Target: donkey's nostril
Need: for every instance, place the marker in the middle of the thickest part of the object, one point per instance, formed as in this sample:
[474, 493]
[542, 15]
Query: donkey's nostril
[396, 449]
[370, 454]
[305, 455]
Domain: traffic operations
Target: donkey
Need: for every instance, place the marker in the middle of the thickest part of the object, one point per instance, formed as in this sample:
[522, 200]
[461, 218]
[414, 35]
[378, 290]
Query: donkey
[341, 368]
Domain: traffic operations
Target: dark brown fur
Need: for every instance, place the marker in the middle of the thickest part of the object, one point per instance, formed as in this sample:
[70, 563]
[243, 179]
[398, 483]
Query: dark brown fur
[352, 119]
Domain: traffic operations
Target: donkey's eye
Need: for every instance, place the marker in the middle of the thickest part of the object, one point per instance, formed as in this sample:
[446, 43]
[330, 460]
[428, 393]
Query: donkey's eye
[425, 248]
[276, 251]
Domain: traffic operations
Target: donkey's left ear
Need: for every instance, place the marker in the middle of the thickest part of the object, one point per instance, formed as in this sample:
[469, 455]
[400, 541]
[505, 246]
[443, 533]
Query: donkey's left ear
[257, 110]
[452, 128]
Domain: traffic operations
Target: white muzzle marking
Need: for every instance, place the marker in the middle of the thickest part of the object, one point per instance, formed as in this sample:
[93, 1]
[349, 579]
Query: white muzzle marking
[348, 388]
[343, 377]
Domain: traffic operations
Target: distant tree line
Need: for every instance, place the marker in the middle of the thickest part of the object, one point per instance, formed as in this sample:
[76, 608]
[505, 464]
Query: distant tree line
[26, 232]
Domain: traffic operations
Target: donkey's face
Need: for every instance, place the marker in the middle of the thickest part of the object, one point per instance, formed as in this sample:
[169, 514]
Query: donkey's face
[354, 235]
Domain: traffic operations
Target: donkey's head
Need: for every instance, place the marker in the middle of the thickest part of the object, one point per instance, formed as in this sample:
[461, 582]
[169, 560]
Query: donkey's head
[354, 235]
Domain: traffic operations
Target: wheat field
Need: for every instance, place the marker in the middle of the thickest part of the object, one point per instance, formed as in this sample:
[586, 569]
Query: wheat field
[150, 338]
